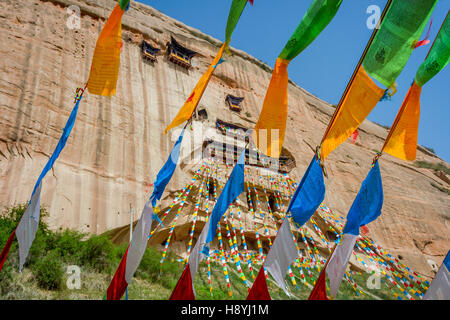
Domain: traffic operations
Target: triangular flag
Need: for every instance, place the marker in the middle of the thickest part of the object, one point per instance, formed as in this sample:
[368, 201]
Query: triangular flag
[282, 253]
[5, 250]
[259, 290]
[184, 289]
[319, 291]
[118, 284]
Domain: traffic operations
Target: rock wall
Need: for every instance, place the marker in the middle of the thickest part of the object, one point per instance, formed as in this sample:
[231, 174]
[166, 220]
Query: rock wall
[118, 145]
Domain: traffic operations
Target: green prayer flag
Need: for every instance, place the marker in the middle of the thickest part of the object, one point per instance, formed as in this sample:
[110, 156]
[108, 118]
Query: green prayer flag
[123, 4]
[438, 57]
[318, 16]
[399, 32]
[237, 7]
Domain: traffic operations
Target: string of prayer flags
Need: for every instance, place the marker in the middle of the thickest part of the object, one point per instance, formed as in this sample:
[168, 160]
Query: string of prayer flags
[270, 129]
[185, 113]
[309, 194]
[29, 223]
[440, 286]
[106, 60]
[399, 32]
[402, 138]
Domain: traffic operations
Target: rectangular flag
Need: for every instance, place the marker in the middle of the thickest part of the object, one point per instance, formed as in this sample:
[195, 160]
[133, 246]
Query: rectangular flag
[309, 194]
[166, 172]
[440, 286]
[233, 188]
[402, 138]
[339, 260]
[191, 103]
[359, 101]
[106, 60]
[368, 202]
[282, 253]
[396, 38]
[28, 226]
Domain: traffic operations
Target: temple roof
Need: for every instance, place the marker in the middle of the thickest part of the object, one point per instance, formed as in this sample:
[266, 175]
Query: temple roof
[178, 47]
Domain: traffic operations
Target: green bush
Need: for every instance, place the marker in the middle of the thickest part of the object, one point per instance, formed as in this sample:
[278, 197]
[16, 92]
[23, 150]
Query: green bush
[435, 166]
[98, 252]
[48, 271]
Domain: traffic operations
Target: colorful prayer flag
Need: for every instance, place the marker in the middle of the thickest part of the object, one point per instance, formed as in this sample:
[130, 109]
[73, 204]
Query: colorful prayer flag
[396, 38]
[233, 188]
[368, 202]
[309, 194]
[184, 290]
[237, 7]
[191, 103]
[270, 129]
[319, 292]
[106, 60]
[438, 57]
[440, 286]
[166, 172]
[133, 256]
[282, 253]
[402, 138]
[337, 264]
[259, 290]
[359, 101]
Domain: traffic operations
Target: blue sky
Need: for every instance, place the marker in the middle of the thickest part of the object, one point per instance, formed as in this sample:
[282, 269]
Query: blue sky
[326, 66]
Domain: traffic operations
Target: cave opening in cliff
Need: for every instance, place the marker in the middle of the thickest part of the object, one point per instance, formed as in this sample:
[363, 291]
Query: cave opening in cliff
[234, 103]
[178, 54]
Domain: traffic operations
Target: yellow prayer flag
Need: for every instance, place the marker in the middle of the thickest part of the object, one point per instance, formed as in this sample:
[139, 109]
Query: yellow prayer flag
[271, 126]
[402, 139]
[106, 61]
[359, 101]
[191, 103]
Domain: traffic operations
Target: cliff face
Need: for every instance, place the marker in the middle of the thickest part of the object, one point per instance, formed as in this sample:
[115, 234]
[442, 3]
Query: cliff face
[118, 145]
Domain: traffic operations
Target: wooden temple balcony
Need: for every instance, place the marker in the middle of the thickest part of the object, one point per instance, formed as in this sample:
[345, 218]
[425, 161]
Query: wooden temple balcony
[178, 54]
[149, 52]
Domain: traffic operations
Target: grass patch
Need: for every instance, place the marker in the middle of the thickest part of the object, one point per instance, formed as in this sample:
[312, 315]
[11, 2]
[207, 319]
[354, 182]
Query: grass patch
[434, 166]
[442, 189]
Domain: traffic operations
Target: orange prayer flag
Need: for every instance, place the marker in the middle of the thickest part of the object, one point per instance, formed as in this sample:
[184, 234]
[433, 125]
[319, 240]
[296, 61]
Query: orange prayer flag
[271, 126]
[402, 138]
[191, 103]
[106, 61]
[361, 98]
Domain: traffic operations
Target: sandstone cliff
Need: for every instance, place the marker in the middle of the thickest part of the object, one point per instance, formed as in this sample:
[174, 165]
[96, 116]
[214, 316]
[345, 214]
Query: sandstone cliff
[118, 145]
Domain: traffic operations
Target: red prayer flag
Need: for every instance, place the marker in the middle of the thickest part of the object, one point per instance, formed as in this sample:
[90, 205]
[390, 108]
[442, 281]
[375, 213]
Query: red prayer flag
[319, 291]
[259, 289]
[184, 289]
[5, 250]
[118, 284]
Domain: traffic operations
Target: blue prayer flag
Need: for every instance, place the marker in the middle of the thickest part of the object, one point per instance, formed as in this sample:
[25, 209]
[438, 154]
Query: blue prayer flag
[368, 203]
[233, 188]
[166, 172]
[309, 194]
[62, 142]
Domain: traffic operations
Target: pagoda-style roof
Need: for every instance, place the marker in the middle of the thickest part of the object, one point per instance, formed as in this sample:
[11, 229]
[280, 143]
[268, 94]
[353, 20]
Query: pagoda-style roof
[234, 102]
[179, 54]
[149, 52]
